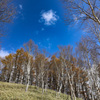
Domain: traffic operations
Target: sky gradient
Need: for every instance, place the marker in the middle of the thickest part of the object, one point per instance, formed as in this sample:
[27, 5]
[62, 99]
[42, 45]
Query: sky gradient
[43, 22]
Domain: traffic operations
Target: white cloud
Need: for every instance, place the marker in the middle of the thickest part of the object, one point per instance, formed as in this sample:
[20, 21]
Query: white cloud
[49, 17]
[20, 6]
[3, 53]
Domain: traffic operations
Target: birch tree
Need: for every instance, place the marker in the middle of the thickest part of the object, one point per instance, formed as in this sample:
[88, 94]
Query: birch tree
[66, 56]
[31, 49]
[85, 13]
[7, 13]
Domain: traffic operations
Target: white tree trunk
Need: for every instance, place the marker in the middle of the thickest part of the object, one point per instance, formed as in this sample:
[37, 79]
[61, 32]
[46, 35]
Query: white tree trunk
[42, 84]
[71, 86]
[11, 75]
[28, 75]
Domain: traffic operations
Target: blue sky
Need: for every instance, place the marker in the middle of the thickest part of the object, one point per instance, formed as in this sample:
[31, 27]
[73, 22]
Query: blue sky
[43, 22]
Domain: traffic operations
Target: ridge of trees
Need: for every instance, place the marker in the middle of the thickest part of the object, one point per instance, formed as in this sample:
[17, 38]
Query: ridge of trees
[71, 73]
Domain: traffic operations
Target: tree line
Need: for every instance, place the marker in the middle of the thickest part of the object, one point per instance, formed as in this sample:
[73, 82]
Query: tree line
[76, 73]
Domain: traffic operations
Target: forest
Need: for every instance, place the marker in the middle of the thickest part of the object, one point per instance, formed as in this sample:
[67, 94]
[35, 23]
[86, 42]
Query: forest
[74, 71]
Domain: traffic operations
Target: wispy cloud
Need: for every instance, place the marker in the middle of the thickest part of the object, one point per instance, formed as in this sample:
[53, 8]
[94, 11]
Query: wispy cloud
[48, 39]
[20, 6]
[3, 53]
[21, 15]
[49, 45]
[49, 17]
[75, 18]
[42, 29]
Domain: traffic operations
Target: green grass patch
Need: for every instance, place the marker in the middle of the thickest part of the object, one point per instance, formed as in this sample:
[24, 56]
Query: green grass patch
[12, 91]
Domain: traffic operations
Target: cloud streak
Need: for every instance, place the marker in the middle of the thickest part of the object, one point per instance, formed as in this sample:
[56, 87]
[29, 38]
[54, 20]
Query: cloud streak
[20, 6]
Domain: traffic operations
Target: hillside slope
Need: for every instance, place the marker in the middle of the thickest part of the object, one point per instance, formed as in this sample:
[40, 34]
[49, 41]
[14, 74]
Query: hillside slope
[11, 91]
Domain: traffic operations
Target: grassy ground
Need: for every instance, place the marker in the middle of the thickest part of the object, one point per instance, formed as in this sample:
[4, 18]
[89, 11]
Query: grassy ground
[11, 91]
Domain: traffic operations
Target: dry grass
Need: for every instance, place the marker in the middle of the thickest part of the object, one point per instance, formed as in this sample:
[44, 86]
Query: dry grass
[11, 91]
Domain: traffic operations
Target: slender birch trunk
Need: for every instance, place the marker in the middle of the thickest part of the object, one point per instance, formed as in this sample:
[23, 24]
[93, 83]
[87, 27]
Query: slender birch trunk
[28, 75]
[11, 75]
[71, 86]
[46, 86]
